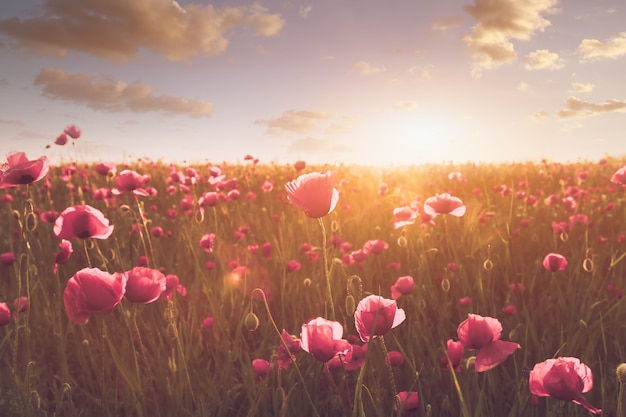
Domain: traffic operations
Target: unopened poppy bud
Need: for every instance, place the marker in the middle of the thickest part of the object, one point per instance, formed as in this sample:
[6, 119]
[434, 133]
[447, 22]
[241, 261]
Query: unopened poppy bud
[470, 363]
[350, 304]
[621, 373]
[337, 261]
[307, 282]
[251, 322]
[402, 241]
[445, 285]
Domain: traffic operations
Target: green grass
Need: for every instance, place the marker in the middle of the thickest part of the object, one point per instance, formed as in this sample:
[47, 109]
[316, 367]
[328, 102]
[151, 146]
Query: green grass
[157, 360]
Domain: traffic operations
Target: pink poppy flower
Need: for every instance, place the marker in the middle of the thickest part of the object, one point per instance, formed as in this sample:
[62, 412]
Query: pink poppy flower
[261, 368]
[105, 168]
[564, 378]
[266, 249]
[313, 193]
[92, 291]
[61, 139]
[283, 357]
[509, 310]
[404, 216]
[293, 266]
[375, 316]
[7, 258]
[172, 282]
[354, 358]
[208, 323]
[406, 401]
[129, 181]
[465, 302]
[444, 204]
[63, 255]
[82, 221]
[375, 247]
[323, 339]
[21, 304]
[207, 242]
[19, 170]
[619, 177]
[483, 334]
[454, 351]
[5, 314]
[554, 262]
[299, 165]
[395, 358]
[403, 286]
[144, 285]
[72, 131]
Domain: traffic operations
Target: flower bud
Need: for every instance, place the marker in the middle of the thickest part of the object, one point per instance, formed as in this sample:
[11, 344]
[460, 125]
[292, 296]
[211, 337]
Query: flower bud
[251, 322]
[621, 373]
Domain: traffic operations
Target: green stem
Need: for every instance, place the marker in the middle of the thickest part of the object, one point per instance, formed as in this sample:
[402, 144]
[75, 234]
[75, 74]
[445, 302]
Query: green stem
[329, 292]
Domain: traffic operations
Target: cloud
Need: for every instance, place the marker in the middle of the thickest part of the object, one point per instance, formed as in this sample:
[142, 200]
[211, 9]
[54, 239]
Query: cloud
[117, 29]
[613, 48]
[539, 115]
[497, 23]
[309, 145]
[367, 69]
[522, 86]
[295, 121]
[404, 105]
[446, 23]
[582, 88]
[305, 10]
[112, 95]
[542, 59]
[575, 107]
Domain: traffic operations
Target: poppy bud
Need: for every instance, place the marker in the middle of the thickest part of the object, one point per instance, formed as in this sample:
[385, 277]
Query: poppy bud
[350, 304]
[251, 322]
[621, 373]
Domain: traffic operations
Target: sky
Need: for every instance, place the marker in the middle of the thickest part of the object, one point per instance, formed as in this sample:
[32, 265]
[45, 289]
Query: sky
[370, 82]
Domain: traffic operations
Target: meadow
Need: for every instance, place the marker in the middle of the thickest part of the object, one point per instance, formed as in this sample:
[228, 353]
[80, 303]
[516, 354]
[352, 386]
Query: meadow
[246, 269]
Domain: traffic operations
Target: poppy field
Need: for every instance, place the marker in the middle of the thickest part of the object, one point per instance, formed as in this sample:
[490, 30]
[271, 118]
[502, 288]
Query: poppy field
[252, 289]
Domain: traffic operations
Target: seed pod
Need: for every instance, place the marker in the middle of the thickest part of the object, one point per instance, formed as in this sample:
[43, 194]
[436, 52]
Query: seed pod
[251, 322]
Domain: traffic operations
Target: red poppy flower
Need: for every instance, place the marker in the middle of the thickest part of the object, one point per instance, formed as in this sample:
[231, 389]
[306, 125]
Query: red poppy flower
[261, 368]
[7, 258]
[299, 165]
[72, 131]
[5, 314]
[554, 262]
[92, 291]
[207, 242]
[283, 358]
[406, 401]
[63, 255]
[144, 285]
[444, 204]
[322, 339]
[403, 286]
[483, 334]
[129, 181]
[375, 316]
[82, 221]
[293, 266]
[105, 168]
[313, 193]
[454, 351]
[404, 216]
[563, 378]
[19, 170]
[61, 139]
[395, 358]
[619, 177]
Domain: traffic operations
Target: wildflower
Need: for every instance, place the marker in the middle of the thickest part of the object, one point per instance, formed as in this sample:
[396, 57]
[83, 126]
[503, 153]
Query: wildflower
[483, 334]
[19, 170]
[5, 314]
[262, 369]
[82, 221]
[444, 204]
[354, 358]
[105, 168]
[465, 302]
[172, 282]
[406, 401]
[61, 139]
[92, 291]
[63, 255]
[404, 216]
[509, 310]
[208, 323]
[7, 258]
[375, 316]
[395, 358]
[454, 352]
[619, 177]
[563, 378]
[403, 286]
[293, 266]
[207, 242]
[299, 165]
[322, 339]
[144, 285]
[129, 181]
[554, 262]
[72, 131]
[283, 356]
[21, 304]
[313, 193]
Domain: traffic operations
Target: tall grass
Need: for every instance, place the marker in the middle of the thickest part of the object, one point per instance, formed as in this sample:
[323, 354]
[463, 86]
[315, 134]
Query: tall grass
[158, 360]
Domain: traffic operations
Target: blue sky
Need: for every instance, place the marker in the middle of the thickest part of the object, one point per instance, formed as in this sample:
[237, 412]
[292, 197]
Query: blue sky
[367, 81]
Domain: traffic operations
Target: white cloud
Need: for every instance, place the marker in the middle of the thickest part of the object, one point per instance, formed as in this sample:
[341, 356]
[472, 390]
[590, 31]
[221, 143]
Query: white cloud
[542, 59]
[612, 48]
[578, 108]
[367, 69]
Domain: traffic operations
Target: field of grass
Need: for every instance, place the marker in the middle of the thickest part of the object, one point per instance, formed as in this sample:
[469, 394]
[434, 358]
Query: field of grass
[193, 355]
